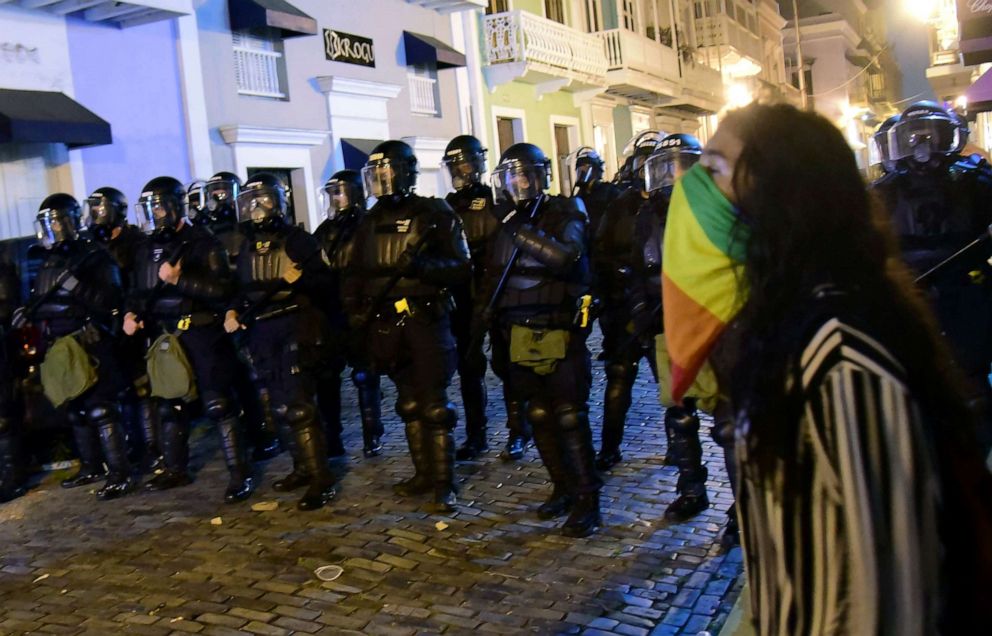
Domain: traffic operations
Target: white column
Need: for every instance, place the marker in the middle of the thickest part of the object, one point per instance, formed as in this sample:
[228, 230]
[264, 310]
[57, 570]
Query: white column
[356, 109]
[477, 87]
[194, 100]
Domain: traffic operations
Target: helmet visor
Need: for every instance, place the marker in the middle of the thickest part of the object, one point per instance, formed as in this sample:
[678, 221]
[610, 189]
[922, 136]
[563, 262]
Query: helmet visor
[156, 213]
[53, 227]
[194, 200]
[923, 137]
[98, 211]
[385, 178]
[220, 194]
[516, 182]
[665, 166]
[462, 171]
[338, 196]
[581, 167]
[258, 204]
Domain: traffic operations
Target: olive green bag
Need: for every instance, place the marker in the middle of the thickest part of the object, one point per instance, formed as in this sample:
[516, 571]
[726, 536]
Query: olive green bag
[169, 370]
[539, 349]
[67, 371]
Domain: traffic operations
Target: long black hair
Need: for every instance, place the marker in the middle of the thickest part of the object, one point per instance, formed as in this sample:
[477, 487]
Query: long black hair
[813, 222]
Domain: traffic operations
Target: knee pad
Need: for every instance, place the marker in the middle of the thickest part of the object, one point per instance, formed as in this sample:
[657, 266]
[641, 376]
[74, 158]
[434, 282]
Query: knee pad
[571, 417]
[218, 407]
[682, 421]
[408, 410]
[102, 412]
[538, 413]
[299, 413]
[440, 415]
[624, 371]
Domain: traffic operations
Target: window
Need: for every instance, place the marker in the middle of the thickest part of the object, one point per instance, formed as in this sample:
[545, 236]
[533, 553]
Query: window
[553, 10]
[259, 66]
[497, 6]
[425, 98]
[629, 15]
[593, 21]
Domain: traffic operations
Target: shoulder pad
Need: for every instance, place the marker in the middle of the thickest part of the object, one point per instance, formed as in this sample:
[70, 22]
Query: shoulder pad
[569, 206]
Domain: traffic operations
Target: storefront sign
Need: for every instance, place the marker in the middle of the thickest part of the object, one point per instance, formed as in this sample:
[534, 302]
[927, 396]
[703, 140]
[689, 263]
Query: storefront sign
[348, 48]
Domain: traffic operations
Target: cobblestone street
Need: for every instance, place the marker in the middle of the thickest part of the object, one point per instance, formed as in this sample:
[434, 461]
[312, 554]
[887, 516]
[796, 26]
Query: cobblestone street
[183, 562]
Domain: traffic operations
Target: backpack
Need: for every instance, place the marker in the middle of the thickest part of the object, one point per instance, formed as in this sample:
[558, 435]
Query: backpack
[169, 370]
[67, 371]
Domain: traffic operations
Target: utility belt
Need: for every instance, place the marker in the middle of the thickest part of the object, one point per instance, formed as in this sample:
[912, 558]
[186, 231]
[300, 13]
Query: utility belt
[578, 314]
[428, 309]
[184, 322]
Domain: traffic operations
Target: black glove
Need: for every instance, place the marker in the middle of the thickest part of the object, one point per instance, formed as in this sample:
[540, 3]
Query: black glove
[504, 210]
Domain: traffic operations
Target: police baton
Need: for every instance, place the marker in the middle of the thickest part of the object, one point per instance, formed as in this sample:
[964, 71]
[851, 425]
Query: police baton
[504, 276]
[23, 315]
[953, 259]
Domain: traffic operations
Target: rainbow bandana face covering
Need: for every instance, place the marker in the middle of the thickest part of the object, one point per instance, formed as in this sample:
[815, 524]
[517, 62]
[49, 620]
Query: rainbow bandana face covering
[701, 267]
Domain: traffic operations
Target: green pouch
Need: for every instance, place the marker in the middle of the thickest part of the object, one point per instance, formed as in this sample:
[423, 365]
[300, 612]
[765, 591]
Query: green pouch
[539, 349]
[169, 370]
[67, 371]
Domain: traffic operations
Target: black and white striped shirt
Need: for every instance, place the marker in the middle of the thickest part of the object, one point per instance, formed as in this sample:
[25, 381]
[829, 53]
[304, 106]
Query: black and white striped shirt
[856, 550]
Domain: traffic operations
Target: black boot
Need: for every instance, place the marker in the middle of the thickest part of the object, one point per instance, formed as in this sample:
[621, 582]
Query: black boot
[90, 462]
[560, 500]
[420, 483]
[151, 456]
[369, 399]
[329, 401]
[119, 480]
[474, 400]
[619, 382]
[576, 445]
[241, 484]
[312, 447]
[11, 482]
[442, 459]
[669, 458]
[175, 451]
[299, 477]
[519, 432]
[691, 485]
[266, 443]
[731, 536]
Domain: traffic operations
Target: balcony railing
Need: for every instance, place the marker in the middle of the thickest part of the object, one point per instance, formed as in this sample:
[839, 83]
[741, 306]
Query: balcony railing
[721, 30]
[626, 49]
[257, 72]
[519, 36]
[423, 95]
[701, 80]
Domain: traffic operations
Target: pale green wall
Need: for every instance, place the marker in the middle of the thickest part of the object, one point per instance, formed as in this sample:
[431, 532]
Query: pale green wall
[533, 6]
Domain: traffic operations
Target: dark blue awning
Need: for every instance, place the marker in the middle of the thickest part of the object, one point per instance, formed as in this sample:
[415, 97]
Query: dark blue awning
[423, 49]
[48, 117]
[356, 152]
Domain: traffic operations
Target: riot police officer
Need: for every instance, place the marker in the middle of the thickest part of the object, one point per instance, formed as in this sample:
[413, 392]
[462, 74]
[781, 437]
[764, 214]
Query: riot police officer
[105, 219]
[939, 202]
[881, 165]
[472, 200]
[280, 270]
[587, 183]
[213, 204]
[181, 284]
[11, 466]
[409, 250]
[344, 202]
[78, 294]
[539, 325]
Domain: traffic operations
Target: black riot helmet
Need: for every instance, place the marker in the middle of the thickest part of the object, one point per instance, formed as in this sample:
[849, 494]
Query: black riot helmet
[263, 202]
[639, 148]
[582, 167]
[523, 173]
[670, 159]
[162, 206]
[58, 220]
[464, 162]
[391, 170]
[218, 198]
[925, 135]
[342, 192]
[879, 150]
[104, 211]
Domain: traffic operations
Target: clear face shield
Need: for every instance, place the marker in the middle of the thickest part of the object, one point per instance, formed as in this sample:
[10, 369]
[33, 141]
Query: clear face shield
[664, 167]
[923, 138]
[156, 213]
[257, 205]
[383, 179]
[219, 195]
[581, 167]
[98, 217]
[515, 181]
[194, 200]
[463, 171]
[53, 227]
[337, 197]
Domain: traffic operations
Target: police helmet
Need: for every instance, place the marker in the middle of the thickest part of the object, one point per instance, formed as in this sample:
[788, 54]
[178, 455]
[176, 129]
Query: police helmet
[58, 220]
[391, 170]
[925, 131]
[523, 173]
[219, 196]
[581, 167]
[464, 162]
[670, 159]
[263, 201]
[342, 192]
[161, 206]
[104, 211]
[879, 149]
